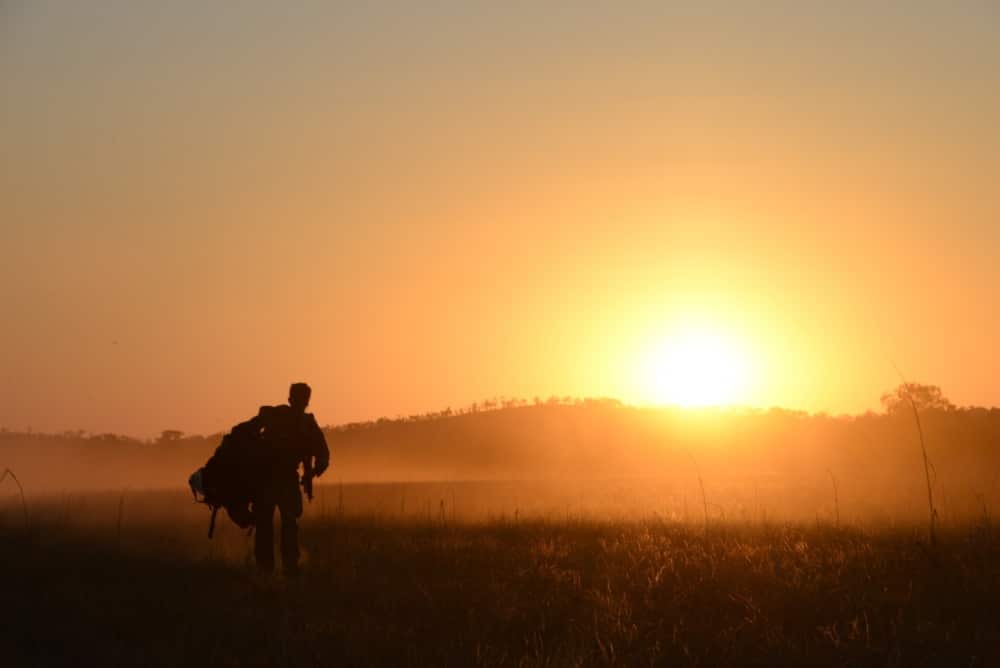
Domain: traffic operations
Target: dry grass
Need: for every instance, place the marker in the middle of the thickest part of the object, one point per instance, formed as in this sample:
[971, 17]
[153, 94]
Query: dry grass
[413, 591]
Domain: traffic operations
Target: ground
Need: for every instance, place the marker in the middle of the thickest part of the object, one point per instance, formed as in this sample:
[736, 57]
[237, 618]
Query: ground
[381, 591]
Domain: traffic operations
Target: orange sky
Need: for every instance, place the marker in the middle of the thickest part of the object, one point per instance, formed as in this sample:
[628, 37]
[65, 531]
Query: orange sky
[415, 209]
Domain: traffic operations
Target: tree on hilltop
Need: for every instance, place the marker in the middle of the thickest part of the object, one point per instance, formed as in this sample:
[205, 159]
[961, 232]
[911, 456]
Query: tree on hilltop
[924, 397]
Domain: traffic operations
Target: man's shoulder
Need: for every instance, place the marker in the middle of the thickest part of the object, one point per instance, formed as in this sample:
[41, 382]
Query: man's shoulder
[272, 415]
[280, 408]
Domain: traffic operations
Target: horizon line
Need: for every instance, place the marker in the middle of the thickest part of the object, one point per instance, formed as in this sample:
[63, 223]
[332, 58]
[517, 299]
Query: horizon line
[498, 404]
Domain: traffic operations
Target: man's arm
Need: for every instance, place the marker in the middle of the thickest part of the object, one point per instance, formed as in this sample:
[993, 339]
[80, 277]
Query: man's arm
[319, 448]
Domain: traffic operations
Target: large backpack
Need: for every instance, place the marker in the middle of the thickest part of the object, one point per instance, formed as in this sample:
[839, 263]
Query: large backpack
[231, 475]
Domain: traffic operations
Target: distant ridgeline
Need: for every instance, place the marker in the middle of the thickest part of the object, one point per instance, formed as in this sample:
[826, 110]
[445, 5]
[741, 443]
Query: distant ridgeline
[558, 439]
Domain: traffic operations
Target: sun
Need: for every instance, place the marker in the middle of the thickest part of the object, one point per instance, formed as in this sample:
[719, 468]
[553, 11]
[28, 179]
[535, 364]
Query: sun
[696, 368]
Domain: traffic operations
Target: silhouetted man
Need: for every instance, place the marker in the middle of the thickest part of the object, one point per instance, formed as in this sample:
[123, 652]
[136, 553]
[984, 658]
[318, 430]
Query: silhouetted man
[292, 437]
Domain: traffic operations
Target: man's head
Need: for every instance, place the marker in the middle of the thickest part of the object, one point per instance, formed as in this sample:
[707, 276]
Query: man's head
[298, 396]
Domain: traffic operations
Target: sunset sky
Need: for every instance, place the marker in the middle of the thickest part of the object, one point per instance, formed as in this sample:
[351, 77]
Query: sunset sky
[419, 205]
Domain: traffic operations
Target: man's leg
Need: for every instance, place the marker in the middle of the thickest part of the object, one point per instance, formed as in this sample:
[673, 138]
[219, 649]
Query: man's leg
[263, 542]
[291, 509]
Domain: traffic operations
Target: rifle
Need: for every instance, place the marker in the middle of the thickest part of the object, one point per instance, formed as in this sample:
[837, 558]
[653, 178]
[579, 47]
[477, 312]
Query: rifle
[307, 478]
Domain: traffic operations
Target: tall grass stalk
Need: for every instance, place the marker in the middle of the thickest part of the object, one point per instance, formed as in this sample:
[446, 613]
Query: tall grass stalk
[340, 500]
[701, 485]
[704, 499]
[121, 509]
[931, 510]
[836, 496]
[20, 489]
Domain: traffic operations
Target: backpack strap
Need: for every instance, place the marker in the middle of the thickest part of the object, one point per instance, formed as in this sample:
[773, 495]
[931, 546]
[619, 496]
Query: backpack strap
[211, 523]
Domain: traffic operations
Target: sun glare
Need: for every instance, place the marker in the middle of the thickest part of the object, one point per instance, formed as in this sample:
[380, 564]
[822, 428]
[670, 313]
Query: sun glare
[696, 369]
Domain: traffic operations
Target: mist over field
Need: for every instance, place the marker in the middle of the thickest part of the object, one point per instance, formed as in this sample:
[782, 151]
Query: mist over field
[595, 457]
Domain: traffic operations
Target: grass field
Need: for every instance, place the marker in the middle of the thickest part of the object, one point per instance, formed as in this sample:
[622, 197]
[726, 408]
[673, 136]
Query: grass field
[131, 579]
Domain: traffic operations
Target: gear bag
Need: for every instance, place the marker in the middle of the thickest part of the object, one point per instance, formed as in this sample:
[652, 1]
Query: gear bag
[231, 475]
